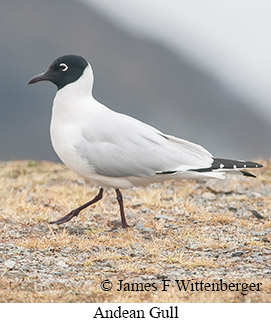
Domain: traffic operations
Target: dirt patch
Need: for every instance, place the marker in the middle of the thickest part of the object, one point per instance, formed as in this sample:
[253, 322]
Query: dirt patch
[188, 230]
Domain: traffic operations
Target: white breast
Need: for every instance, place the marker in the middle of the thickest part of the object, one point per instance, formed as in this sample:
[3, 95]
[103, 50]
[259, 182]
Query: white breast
[74, 108]
[71, 108]
[65, 137]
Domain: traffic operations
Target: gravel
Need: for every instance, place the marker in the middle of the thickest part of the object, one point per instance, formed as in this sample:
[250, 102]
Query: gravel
[193, 230]
[237, 254]
[10, 264]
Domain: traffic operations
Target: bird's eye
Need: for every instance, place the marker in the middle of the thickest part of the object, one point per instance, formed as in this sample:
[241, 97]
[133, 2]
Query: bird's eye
[63, 67]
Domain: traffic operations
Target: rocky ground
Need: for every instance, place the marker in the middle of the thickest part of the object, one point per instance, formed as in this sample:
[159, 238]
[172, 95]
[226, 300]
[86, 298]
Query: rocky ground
[188, 230]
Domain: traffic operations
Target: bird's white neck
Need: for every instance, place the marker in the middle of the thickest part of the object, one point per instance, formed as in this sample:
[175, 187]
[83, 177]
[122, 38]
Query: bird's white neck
[81, 87]
[75, 99]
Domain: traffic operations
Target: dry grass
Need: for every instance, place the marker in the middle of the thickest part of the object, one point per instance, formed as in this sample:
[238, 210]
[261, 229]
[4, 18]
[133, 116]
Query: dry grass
[195, 238]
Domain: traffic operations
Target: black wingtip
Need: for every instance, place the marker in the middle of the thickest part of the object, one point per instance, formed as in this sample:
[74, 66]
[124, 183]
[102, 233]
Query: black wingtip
[234, 164]
[247, 173]
[229, 164]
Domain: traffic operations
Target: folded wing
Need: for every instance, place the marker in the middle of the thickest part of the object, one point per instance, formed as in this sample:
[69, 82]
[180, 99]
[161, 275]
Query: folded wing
[120, 146]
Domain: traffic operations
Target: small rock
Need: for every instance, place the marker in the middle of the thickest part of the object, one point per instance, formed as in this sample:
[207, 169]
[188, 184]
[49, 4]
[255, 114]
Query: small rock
[259, 234]
[135, 205]
[161, 276]
[10, 264]
[237, 253]
[47, 261]
[147, 229]
[211, 209]
[108, 264]
[77, 230]
[57, 273]
[29, 198]
[139, 225]
[232, 208]
[192, 245]
[130, 215]
[259, 259]
[146, 211]
[164, 217]
[61, 264]
[88, 283]
[256, 194]
[167, 198]
[20, 249]
[217, 186]
[267, 239]
[209, 196]
[257, 214]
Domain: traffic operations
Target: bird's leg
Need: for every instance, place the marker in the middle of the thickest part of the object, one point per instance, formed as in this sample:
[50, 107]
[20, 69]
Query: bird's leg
[122, 214]
[76, 211]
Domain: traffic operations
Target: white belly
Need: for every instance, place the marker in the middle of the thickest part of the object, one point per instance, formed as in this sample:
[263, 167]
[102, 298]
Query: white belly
[65, 138]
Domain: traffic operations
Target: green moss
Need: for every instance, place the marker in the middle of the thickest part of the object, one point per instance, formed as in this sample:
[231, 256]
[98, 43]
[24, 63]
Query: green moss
[32, 163]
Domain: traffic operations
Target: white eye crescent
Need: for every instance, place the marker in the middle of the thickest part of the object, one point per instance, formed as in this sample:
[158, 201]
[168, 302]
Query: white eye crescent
[63, 67]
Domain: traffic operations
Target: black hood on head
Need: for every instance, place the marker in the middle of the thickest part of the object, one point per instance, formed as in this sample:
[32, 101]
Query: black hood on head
[64, 70]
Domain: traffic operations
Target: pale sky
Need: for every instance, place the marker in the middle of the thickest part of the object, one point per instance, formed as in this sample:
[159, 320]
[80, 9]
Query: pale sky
[229, 38]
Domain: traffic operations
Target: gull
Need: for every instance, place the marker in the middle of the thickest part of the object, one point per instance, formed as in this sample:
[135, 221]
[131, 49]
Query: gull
[114, 150]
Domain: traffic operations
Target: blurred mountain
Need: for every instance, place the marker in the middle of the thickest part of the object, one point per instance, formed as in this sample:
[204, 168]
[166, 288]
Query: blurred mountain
[132, 75]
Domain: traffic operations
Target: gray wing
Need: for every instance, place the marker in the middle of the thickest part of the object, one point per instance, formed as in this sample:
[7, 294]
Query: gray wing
[120, 146]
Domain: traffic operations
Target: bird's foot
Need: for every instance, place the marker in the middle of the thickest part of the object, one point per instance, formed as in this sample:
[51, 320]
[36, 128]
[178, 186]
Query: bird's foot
[125, 225]
[67, 217]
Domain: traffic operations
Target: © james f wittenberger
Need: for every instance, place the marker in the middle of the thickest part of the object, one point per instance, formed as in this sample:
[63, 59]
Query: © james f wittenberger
[185, 285]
